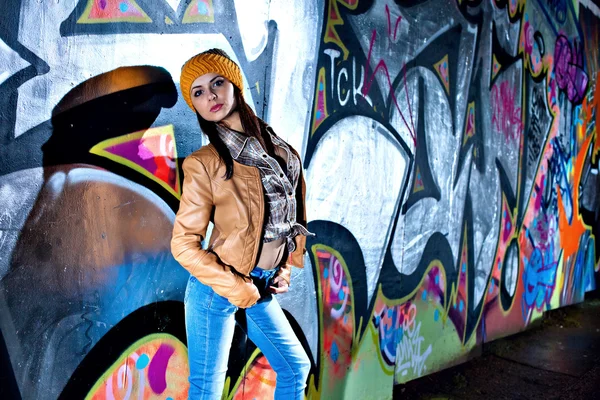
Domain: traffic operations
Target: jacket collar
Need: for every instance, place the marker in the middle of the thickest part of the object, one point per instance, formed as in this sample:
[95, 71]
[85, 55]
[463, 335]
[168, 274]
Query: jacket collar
[234, 140]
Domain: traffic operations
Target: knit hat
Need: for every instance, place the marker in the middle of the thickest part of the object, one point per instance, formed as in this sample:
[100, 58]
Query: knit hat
[213, 60]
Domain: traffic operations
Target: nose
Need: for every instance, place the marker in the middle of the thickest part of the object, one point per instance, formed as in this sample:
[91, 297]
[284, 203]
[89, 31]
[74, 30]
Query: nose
[213, 95]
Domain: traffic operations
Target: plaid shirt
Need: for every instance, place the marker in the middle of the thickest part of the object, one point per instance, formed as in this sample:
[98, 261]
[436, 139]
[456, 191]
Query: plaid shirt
[279, 185]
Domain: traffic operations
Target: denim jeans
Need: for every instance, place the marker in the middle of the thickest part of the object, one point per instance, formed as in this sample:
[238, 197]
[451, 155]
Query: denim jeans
[210, 322]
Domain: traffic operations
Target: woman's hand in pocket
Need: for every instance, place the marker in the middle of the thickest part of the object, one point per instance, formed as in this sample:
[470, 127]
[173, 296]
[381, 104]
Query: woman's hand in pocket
[279, 285]
[244, 295]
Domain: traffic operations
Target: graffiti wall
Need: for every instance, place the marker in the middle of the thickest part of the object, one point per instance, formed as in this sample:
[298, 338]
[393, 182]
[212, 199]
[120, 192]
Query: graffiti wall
[451, 152]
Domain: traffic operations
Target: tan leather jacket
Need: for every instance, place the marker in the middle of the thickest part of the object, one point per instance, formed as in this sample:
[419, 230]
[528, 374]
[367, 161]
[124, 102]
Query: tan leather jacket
[236, 208]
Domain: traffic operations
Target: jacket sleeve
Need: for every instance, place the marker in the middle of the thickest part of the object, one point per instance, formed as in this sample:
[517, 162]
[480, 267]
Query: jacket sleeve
[189, 230]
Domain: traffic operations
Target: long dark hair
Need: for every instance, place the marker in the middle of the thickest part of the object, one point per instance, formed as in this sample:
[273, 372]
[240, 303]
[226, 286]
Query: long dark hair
[253, 127]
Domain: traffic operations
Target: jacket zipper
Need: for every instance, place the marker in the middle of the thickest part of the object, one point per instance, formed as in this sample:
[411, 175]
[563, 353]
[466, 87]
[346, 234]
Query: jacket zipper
[262, 215]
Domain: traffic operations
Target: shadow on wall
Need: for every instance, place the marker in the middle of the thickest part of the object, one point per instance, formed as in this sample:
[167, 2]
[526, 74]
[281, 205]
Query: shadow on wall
[95, 246]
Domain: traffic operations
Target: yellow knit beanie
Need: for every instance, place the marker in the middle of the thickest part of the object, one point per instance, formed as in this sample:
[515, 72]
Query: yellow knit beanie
[213, 60]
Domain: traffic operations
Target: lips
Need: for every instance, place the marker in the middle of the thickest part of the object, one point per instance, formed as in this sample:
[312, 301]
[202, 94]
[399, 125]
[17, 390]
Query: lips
[216, 107]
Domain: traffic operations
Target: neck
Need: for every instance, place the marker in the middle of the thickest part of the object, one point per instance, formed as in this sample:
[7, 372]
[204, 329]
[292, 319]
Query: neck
[233, 121]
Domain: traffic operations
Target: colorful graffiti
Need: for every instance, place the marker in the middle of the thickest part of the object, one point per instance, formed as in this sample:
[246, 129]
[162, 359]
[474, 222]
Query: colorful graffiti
[146, 370]
[151, 152]
[489, 230]
[452, 163]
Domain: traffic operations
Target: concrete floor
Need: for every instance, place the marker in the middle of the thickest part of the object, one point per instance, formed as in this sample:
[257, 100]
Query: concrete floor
[557, 359]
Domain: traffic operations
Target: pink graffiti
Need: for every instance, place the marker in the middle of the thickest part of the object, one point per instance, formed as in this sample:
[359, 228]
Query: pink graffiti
[389, 23]
[506, 116]
[568, 69]
[122, 373]
[528, 36]
[543, 223]
[158, 368]
[369, 78]
[338, 285]
[408, 313]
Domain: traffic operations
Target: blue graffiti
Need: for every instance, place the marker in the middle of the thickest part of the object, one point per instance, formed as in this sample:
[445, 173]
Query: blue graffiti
[539, 276]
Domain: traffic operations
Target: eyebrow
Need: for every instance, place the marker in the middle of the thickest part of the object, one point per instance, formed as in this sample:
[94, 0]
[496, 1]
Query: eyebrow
[211, 81]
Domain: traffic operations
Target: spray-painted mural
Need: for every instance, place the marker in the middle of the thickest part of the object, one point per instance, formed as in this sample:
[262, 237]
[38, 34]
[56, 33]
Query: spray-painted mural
[451, 154]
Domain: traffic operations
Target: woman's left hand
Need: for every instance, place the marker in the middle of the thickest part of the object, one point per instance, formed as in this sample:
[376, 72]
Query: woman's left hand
[279, 285]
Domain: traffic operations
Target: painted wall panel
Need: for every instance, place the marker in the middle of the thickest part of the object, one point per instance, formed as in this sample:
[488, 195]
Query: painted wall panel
[451, 153]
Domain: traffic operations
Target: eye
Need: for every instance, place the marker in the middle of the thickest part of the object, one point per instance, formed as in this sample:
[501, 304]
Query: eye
[198, 93]
[219, 82]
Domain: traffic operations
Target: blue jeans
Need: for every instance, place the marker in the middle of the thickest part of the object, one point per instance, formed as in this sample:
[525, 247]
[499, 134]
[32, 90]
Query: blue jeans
[210, 322]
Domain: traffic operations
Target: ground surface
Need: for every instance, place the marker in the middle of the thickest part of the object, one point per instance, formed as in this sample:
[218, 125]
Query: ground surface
[557, 359]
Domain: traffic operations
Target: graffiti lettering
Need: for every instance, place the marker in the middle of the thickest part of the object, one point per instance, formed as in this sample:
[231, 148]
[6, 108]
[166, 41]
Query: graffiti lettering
[343, 92]
[535, 134]
[539, 275]
[568, 69]
[387, 320]
[409, 350]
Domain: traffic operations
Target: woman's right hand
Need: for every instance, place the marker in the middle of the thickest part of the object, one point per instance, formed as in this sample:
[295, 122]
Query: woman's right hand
[245, 294]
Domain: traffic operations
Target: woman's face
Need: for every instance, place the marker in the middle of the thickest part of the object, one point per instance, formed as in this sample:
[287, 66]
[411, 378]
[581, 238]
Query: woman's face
[212, 96]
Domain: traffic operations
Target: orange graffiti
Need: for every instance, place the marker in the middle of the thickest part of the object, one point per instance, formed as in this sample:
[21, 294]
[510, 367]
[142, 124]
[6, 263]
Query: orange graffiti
[571, 233]
[259, 381]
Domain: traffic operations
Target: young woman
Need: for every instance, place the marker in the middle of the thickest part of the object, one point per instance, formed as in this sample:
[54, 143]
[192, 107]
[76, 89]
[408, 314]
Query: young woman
[248, 182]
